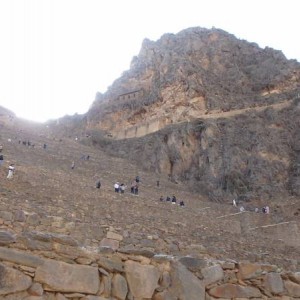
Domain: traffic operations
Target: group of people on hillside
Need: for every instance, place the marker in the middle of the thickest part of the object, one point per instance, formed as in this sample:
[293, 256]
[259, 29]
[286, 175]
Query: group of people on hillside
[120, 187]
[172, 200]
[82, 157]
[27, 143]
[134, 187]
[264, 210]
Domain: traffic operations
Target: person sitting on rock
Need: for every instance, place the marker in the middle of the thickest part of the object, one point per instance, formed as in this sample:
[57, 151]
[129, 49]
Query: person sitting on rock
[168, 199]
[181, 203]
[137, 179]
[161, 198]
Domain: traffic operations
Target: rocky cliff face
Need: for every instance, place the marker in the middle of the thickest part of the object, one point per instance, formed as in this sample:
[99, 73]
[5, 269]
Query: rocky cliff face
[206, 108]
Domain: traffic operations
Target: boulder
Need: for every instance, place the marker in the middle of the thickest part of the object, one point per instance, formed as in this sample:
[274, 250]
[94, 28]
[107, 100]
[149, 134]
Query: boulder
[273, 283]
[184, 284]
[113, 244]
[143, 252]
[119, 287]
[105, 286]
[114, 236]
[111, 264]
[7, 238]
[193, 264]
[20, 258]
[64, 277]
[13, 281]
[33, 219]
[142, 279]
[229, 290]
[20, 216]
[295, 277]
[91, 297]
[165, 295]
[249, 270]
[292, 288]
[212, 274]
[36, 289]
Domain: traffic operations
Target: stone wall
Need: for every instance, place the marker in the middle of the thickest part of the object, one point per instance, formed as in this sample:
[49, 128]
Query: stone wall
[141, 129]
[72, 272]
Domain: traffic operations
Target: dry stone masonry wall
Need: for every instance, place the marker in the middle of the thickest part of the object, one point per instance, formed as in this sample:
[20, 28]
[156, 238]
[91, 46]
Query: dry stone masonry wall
[72, 272]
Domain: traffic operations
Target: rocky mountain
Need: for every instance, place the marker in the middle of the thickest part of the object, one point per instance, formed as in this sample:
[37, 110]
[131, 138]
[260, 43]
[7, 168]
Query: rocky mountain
[208, 109]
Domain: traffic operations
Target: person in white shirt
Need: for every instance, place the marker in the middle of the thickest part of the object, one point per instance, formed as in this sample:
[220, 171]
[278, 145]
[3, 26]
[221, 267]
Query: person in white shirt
[117, 187]
[11, 170]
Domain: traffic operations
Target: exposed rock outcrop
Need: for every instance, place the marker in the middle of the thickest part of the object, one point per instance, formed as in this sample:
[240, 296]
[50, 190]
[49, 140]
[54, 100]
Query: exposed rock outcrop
[203, 107]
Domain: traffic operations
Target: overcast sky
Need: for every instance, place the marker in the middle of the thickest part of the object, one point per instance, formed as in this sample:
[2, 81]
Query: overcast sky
[56, 54]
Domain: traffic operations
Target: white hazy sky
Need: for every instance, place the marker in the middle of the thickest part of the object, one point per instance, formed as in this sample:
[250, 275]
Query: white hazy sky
[56, 54]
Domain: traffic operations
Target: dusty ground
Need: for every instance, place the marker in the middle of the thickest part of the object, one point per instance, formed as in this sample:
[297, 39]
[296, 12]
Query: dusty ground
[44, 184]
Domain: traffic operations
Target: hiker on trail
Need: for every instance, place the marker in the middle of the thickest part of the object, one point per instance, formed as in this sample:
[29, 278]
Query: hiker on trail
[234, 203]
[1, 159]
[98, 184]
[87, 157]
[173, 199]
[168, 199]
[11, 170]
[73, 165]
[1, 148]
[122, 188]
[157, 183]
[117, 187]
[256, 210]
[137, 179]
[45, 146]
